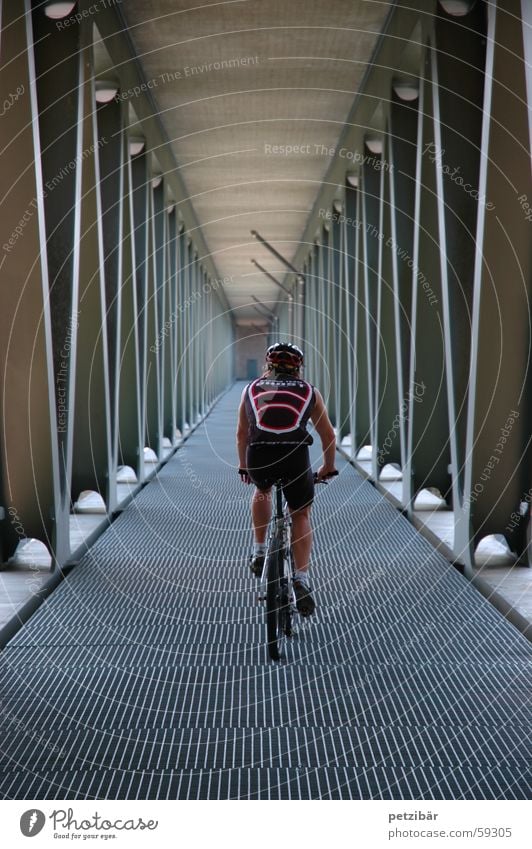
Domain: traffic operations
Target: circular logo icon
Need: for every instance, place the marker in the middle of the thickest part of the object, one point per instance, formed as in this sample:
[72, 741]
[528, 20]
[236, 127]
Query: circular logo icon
[32, 822]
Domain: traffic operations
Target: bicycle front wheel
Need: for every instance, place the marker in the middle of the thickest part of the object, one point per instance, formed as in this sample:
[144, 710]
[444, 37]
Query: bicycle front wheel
[274, 571]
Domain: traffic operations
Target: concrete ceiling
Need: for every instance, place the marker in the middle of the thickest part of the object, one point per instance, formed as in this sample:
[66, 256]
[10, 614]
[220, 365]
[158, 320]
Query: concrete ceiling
[253, 95]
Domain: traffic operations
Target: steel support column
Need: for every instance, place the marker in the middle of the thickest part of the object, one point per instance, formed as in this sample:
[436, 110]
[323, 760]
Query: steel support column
[111, 155]
[350, 295]
[402, 173]
[59, 77]
[428, 455]
[31, 491]
[387, 446]
[362, 435]
[155, 314]
[130, 421]
[334, 284]
[181, 296]
[497, 473]
[139, 188]
[170, 413]
[371, 216]
[324, 284]
[91, 466]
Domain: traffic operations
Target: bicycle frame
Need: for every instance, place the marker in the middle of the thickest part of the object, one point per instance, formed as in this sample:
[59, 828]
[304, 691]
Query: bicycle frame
[277, 577]
[281, 523]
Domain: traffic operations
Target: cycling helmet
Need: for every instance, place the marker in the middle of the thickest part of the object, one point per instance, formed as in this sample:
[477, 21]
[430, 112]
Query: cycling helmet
[284, 356]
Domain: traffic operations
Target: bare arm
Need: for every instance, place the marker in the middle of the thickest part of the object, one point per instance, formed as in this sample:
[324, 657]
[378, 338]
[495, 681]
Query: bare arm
[242, 433]
[325, 431]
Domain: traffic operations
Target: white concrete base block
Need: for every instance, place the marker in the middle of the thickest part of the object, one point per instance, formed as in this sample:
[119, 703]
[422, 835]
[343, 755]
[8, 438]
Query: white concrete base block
[31, 553]
[347, 441]
[430, 499]
[178, 436]
[125, 474]
[166, 442]
[150, 456]
[90, 501]
[493, 550]
[365, 453]
[391, 472]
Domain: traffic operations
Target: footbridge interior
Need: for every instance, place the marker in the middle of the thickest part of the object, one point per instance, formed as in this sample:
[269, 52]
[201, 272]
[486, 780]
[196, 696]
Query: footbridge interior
[182, 186]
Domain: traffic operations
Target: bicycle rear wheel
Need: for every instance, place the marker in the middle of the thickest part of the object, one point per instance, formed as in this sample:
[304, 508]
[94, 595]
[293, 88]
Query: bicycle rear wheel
[274, 619]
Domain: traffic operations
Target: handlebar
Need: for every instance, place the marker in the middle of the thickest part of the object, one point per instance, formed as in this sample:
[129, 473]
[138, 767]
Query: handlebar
[245, 477]
[326, 478]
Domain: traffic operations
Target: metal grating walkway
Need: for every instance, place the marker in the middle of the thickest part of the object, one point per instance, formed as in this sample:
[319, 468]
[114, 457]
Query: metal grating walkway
[145, 676]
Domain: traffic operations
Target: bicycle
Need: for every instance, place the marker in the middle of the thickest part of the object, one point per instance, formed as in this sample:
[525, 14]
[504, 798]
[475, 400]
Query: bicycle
[278, 574]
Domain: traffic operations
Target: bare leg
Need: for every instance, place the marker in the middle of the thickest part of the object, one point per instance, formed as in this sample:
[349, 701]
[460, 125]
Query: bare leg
[301, 538]
[261, 511]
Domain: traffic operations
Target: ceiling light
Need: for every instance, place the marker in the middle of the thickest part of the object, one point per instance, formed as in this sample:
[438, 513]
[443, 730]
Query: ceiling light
[56, 11]
[156, 181]
[136, 145]
[352, 179]
[105, 90]
[337, 205]
[374, 144]
[406, 90]
[170, 208]
[458, 8]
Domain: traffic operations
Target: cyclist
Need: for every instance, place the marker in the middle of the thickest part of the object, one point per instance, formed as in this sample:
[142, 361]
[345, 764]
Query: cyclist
[272, 442]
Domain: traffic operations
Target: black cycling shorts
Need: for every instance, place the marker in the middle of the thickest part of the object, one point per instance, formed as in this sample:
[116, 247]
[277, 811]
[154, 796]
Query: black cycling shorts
[267, 463]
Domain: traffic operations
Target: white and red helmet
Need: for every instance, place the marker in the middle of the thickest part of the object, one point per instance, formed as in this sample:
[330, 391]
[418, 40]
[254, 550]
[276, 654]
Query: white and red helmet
[284, 356]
